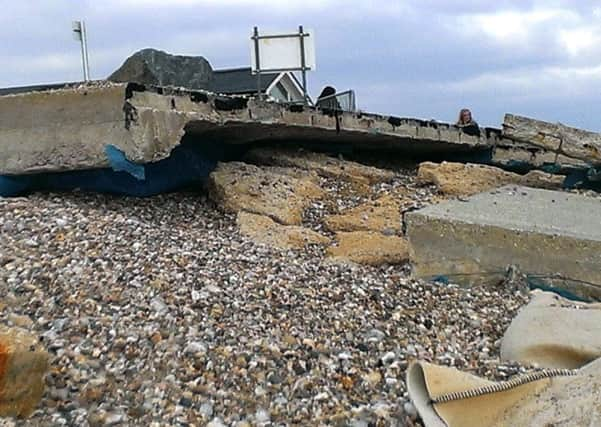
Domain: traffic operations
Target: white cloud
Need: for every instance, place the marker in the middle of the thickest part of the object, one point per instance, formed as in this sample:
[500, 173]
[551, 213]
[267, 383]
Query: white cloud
[264, 5]
[579, 40]
[513, 26]
[546, 82]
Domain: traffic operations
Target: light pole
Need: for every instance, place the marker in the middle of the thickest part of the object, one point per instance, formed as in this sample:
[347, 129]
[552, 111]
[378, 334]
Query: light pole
[79, 33]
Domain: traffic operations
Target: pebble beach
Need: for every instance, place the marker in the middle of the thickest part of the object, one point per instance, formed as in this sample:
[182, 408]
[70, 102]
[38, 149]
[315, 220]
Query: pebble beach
[159, 312]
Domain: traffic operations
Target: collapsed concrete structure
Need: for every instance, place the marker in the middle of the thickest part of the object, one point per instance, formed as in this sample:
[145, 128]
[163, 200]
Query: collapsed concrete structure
[69, 128]
[137, 139]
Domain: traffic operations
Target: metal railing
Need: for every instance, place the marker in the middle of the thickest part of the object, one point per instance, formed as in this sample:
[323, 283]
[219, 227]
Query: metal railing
[343, 101]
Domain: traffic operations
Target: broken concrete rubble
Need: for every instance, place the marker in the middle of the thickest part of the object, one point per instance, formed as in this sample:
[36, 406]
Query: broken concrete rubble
[23, 366]
[543, 232]
[465, 179]
[368, 247]
[381, 215]
[237, 186]
[555, 137]
[262, 229]
[322, 164]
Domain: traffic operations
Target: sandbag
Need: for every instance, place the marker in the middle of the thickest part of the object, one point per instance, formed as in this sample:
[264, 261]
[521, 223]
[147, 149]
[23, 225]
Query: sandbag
[553, 332]
[447, 397]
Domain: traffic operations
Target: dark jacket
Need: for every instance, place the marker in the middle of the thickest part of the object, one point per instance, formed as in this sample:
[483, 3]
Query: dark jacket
[470, 128]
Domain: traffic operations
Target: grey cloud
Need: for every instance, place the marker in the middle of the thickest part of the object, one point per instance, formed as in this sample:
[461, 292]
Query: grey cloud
[407, 58]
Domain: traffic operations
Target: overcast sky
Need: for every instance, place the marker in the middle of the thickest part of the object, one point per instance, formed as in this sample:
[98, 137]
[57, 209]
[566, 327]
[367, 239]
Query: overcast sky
[413, 58]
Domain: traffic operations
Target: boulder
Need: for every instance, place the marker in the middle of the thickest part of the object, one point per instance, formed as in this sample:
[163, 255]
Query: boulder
[23, 365]
[155, 67]
[382, 214]
[322, 164]
[237, 186]
[370, 248]
[263, 230]
[466, 179]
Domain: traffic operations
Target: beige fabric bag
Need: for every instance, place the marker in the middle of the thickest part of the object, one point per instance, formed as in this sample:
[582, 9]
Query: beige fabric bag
[551, 332]
[561, 400]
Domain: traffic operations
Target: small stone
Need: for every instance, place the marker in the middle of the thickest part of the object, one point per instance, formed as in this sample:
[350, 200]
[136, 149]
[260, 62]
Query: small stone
[206, 409]
[195, 347]
[262, 416]
[216, 422]
[186, 402]
[388, 358]
[21, 321]
[373, 378]
[410, 410]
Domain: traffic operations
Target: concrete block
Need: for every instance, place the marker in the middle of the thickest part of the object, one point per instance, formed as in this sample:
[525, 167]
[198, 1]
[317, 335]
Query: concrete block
[542, 232]
[23, 365]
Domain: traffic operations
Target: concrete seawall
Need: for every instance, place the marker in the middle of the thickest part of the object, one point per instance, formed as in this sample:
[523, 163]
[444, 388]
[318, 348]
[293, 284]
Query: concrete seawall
[69, 128]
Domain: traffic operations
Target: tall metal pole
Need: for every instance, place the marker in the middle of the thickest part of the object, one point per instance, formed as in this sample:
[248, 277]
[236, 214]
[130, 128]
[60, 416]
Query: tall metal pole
[84, 43]
[257, 60]
[303, 62]
[79, 32]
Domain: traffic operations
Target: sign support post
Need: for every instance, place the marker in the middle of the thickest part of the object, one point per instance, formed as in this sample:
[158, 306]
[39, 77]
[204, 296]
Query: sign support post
[79, 33]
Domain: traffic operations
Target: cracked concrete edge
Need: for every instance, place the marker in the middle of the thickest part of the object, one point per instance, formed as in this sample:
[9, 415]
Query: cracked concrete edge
[69, 128]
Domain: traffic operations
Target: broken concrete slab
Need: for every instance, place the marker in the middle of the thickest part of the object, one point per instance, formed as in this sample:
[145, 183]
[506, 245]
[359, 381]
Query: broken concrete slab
[262, 229]
[23, 366]
[370, 248]
[237, 186]
[543, 232]
[555, 137]
[69, 128]
[382, 215]
[464, 179]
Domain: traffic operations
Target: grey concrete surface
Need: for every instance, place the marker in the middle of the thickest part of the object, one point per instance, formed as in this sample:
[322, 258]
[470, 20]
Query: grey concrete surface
[542, 232]
[69, 128]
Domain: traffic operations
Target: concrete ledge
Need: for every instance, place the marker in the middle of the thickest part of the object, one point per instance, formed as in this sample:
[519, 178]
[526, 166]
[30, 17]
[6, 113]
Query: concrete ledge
[68, 128]
[542, 232]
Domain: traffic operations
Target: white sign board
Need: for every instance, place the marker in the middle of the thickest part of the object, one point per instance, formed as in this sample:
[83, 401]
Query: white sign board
[283, 53]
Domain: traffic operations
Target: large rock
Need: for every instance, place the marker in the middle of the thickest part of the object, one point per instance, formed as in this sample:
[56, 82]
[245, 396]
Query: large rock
[382, 214]
[155, 67]
[262, 229]
[370, 248]
[237, 186]
[465, 179]
[322, 164]
[23, 365]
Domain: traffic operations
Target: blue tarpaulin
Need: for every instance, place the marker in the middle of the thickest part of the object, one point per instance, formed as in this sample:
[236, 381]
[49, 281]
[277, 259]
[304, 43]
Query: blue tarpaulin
[188, 164]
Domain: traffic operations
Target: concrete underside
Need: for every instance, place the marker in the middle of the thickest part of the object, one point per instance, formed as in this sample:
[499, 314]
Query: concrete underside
[544, 233]
[69, 128]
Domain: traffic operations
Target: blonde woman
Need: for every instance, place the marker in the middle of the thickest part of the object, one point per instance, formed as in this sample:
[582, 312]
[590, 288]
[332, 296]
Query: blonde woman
[467, 123]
